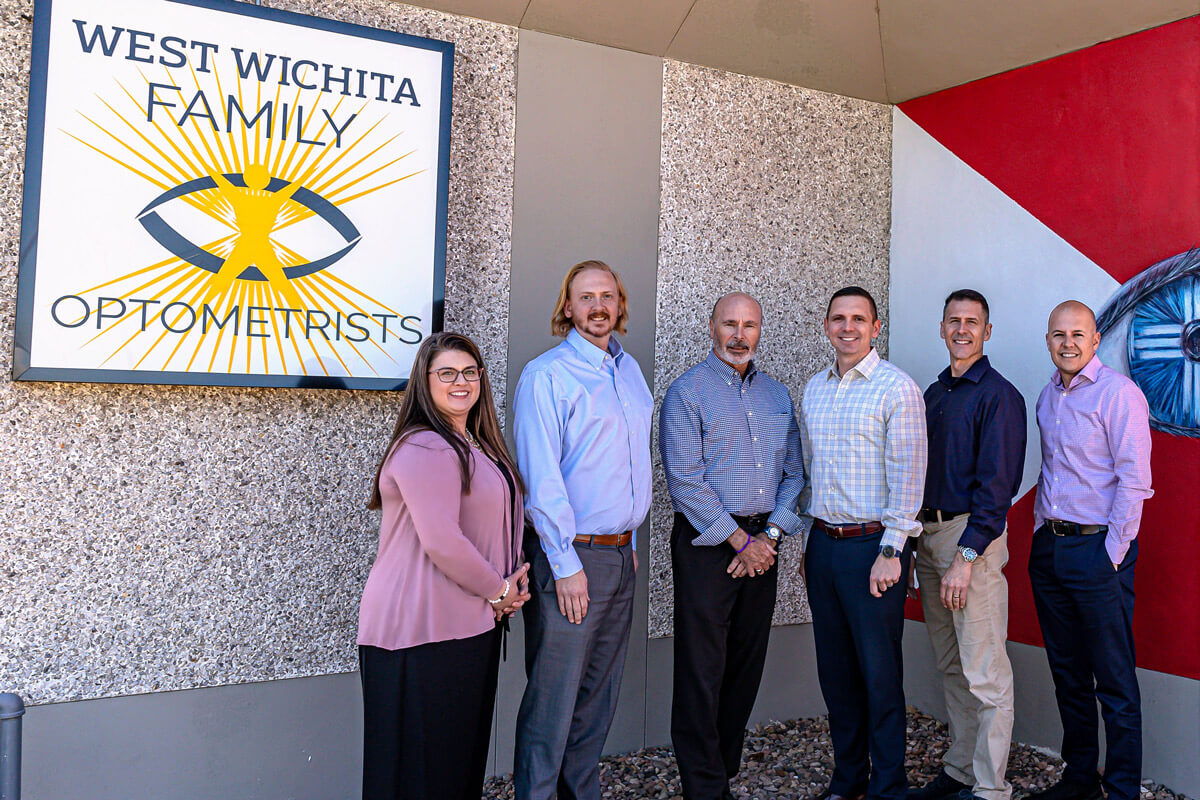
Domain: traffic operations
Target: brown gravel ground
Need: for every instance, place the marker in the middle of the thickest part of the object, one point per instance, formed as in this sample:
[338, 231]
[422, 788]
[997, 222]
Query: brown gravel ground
[793, 760]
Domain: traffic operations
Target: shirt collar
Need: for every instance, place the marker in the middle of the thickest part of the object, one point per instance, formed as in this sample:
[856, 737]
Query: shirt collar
[974, 374]
[863, 368]
[1090, 371]
[590, 352]
[728, 373]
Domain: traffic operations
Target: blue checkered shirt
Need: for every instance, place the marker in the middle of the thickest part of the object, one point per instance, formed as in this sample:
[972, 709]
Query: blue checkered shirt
[730, 446]
[865, 448]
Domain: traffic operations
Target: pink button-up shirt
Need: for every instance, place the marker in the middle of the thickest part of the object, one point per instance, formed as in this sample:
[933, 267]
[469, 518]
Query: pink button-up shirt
[442, 553]
[1095, 454]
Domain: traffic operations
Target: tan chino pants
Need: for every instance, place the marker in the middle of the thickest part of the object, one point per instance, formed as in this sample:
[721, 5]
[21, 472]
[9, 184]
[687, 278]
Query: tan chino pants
[969, 648]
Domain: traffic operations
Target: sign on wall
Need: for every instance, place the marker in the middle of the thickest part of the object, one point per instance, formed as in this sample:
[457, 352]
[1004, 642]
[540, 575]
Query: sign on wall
[219, 193]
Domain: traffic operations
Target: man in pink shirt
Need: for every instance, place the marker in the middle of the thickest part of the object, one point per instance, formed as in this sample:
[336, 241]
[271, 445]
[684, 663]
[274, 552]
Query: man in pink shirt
[1095, 434]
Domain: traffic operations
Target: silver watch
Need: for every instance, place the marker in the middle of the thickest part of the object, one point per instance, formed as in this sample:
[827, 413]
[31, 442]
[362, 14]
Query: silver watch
[774, 533]
[969, 555]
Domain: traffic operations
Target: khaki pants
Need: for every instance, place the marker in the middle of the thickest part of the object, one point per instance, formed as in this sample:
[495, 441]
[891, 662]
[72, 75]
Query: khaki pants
[969, 647]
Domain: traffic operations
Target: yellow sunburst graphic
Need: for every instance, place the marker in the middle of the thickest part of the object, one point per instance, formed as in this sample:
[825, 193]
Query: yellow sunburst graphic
[268, 168]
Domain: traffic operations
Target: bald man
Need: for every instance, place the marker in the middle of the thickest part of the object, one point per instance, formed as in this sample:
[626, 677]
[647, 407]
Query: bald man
[1095, 435]
[731, 451]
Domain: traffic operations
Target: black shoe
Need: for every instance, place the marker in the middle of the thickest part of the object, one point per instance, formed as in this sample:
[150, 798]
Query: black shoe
[1073, 790]
[967, 794]
[941, 787]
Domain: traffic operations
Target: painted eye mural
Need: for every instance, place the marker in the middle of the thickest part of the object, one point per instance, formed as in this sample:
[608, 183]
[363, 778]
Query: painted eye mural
[1150, 330]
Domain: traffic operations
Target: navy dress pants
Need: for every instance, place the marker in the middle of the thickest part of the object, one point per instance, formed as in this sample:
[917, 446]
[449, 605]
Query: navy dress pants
[1085, 608]
[722, 626]
[859, 663]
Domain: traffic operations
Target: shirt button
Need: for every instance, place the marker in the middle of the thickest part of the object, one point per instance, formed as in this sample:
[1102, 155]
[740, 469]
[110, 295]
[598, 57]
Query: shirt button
[760, 491]
[758, 465]
[755, 438]
[749, 413]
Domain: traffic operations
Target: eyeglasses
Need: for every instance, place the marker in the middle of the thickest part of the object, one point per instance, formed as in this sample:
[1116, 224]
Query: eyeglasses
[449, 375]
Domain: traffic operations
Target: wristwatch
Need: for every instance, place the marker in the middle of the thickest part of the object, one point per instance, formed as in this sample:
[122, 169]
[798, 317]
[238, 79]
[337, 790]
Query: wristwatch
[887, 551]
[969, 555]
[774, 533]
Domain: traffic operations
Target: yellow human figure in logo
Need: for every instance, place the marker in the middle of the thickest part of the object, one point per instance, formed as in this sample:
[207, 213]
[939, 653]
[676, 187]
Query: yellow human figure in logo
[255, 213]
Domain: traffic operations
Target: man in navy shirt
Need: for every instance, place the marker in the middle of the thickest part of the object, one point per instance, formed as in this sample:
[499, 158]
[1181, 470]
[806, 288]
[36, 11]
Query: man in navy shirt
[731, 451]
[976, 424]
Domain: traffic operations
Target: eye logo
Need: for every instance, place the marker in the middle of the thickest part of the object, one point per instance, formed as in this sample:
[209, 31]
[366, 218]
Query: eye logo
[1157, 313]
[257, 200]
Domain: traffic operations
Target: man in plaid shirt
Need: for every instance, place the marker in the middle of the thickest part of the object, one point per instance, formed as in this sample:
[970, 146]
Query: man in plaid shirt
[865, 450]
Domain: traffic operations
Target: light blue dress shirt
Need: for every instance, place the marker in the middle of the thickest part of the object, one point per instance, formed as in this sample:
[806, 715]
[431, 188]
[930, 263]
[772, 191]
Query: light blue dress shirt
[581, 422]
[730, 446]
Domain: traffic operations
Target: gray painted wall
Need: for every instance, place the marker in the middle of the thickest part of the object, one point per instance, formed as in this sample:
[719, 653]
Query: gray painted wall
[296, 738]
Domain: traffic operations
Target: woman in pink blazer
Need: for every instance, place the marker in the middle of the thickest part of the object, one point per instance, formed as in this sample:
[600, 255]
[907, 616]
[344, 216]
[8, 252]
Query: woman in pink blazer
[446, 576]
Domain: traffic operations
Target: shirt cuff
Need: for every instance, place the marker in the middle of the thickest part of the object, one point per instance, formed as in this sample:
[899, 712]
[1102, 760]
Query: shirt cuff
[785, 519]
[716, 533]
[564, 564]
[895, 538]
[1116, 548]
[975, 540]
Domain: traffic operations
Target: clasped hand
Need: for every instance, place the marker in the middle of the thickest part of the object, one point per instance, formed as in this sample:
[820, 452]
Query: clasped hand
[517, 594]
[757, 558]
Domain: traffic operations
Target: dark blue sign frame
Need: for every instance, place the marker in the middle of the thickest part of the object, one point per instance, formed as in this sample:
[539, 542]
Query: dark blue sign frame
[27, 265]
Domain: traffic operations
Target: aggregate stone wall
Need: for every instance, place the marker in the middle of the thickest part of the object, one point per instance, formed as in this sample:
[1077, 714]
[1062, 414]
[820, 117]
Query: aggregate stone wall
[775, 190]
[160, 538]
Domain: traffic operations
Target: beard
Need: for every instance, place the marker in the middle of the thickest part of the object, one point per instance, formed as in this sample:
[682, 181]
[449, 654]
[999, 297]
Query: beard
[736, 358]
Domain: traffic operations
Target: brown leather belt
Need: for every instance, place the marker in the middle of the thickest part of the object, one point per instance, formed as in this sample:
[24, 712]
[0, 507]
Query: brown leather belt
[937, 515]
[607, 539]
[1060, 528]
[849, 530]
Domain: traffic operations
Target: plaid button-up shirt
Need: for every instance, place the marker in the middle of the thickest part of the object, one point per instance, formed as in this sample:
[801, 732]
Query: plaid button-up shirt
[865, 449]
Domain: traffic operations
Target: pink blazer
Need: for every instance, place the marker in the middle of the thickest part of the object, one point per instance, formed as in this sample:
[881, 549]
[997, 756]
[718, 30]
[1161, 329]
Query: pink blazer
[441, 553]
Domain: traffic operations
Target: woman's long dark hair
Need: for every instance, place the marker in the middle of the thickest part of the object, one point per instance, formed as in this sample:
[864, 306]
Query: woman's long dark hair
[418, 413]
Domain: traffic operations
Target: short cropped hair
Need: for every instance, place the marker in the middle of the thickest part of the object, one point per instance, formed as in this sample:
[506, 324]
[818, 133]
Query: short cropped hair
[967, 294]
[854, 291]
[560, 323]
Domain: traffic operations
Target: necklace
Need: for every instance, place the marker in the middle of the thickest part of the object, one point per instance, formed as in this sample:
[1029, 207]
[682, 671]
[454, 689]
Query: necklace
[471, 440]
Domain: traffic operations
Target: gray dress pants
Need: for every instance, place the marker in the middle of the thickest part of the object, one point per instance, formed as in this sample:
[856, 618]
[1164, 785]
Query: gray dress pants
[574, 676]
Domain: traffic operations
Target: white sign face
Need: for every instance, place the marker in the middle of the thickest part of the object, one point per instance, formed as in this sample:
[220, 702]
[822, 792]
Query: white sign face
[218, 193]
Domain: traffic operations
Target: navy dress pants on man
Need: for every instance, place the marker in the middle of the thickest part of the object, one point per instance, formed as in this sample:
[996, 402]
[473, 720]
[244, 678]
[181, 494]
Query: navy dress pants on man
[574, 675]
[1085, 608]
[860, 663]
[722, 625]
